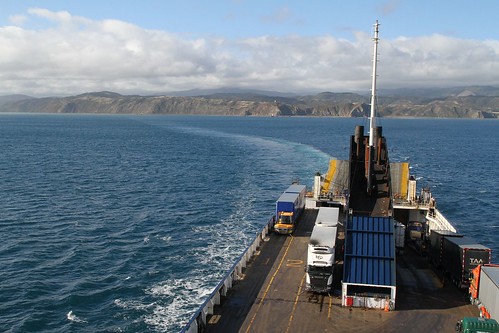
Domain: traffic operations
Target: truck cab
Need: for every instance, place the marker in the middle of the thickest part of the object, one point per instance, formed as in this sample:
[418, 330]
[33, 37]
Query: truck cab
[320, 268]
[285, 223]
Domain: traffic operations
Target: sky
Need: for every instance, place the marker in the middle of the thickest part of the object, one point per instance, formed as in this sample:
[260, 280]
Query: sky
[69, 47]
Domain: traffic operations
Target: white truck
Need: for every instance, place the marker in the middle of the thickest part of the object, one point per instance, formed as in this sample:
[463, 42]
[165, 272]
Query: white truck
[321, 251]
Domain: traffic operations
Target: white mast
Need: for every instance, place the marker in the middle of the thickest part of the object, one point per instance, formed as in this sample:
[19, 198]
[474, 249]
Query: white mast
[373, 88]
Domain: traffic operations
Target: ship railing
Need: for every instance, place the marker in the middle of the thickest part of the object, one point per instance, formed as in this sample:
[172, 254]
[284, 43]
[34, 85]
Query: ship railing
[410, 204]
[198, 321]
[339, 198]
[437, 221]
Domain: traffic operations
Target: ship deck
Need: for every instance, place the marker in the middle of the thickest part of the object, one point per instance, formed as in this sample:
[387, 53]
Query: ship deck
[272, 296]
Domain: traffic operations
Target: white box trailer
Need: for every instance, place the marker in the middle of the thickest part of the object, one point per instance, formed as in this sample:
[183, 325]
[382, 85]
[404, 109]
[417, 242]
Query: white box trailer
[328, 215]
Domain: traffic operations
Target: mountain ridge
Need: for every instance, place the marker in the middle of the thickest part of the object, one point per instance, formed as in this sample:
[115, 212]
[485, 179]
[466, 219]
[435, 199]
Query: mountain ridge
[460, 102]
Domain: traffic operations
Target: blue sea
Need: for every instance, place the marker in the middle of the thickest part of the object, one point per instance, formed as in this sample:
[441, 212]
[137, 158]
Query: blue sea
[124, 223]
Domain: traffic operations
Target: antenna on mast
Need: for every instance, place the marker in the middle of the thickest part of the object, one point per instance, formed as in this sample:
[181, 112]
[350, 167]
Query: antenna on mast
[373, 88]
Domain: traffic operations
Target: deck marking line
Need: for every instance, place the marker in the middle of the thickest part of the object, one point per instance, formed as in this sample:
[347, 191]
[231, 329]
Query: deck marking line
[294, 263]
[270, 283]
[296, 302]
[214, 319]
[330, 306]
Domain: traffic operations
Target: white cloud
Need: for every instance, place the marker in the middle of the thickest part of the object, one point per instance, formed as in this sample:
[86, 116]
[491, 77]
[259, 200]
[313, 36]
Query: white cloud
[17, 19]
[71, 54]
[61, 17]
[440, 61]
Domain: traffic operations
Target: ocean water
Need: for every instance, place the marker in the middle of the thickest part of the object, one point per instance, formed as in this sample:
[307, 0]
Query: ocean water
[126, 223]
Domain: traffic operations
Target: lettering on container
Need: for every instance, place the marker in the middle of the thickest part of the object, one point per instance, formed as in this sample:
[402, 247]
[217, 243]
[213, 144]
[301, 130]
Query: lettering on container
[475, 261]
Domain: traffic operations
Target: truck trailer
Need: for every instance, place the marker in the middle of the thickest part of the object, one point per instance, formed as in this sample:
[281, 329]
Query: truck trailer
[436, 245]
[484, 290]
[328, 216]
[321, 251]
[399, 229]
[297, 188]
[289, 207]
[460, 256]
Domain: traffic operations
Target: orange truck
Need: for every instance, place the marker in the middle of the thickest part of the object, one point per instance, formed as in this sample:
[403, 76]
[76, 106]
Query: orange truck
[484, 290]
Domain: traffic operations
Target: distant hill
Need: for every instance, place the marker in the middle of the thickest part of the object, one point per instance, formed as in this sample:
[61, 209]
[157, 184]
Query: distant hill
[433, 93]
[462, 102]
[13, 98]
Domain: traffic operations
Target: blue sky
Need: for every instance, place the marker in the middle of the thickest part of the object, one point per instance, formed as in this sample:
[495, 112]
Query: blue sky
[66, 47]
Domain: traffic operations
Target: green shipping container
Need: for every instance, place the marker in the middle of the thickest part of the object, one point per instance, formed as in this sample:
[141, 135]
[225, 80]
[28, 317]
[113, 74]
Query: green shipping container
[477, 325]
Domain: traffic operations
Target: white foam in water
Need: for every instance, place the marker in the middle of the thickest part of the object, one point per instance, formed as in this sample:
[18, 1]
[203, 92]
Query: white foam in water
[177, 299]
[181, 296]
[271, 145]
[135, 305]
[72, 317]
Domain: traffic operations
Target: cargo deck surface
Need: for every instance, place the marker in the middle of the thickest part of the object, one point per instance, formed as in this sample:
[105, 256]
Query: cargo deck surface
[272, 295]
